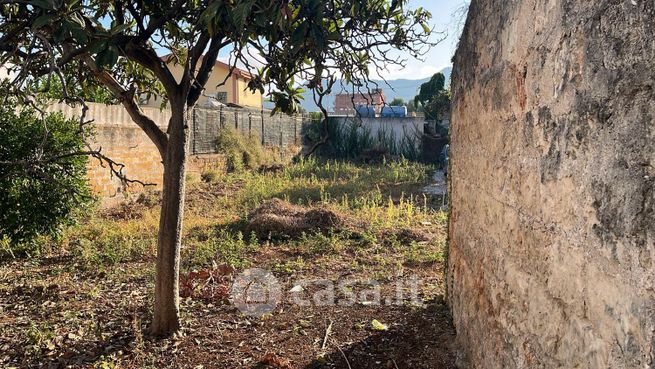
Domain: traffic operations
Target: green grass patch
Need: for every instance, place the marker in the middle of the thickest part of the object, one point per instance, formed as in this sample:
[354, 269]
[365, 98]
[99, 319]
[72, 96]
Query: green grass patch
[377, 200]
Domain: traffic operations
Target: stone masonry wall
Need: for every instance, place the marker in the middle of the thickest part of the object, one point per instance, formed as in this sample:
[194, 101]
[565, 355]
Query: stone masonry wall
[123, 141]
[552, 230]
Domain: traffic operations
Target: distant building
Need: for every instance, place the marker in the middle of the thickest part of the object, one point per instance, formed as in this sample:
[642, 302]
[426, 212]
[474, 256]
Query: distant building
[220, 88]
[344, 104]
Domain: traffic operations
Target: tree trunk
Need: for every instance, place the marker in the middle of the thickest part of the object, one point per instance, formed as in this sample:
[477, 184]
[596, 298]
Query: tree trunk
[166, 320]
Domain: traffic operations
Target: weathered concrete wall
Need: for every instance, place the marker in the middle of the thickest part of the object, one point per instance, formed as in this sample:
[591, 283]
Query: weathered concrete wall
[552, 248]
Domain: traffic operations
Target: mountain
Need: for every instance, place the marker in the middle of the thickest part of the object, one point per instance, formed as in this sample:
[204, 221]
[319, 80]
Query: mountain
[403, 88]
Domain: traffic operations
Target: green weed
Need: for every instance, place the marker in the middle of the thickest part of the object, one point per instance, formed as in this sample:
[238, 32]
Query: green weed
[39, 336]
[242, 152]
[416, 253]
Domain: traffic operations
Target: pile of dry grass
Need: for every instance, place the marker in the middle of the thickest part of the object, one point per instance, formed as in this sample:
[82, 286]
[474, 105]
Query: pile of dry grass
[134, 208]
[276, 218]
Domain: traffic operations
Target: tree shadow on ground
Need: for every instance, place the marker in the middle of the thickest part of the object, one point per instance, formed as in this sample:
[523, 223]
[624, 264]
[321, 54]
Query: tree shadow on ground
[423, 339]
[65, 354]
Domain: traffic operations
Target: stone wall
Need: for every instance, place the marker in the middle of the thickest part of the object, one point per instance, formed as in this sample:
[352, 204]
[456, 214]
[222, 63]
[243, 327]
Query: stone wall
[552, 248]
[120, 139]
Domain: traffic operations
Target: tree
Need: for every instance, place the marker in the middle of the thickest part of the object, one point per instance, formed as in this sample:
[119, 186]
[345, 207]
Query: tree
[38, 199]
[433, 97]
[118, 44]
[399, 101]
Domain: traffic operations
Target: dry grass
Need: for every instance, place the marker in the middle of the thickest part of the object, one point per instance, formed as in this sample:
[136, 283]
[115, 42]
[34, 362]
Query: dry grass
[276, 218]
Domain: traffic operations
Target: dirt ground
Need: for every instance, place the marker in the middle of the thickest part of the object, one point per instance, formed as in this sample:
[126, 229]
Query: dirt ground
[56, 311]
[216, 334]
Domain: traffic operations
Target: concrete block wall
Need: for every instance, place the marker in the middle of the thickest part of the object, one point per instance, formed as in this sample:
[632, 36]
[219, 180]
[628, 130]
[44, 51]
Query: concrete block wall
[552, 228]
[120, 139]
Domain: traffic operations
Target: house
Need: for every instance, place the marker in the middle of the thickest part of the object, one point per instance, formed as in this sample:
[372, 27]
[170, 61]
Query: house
[345, 104]
[221, 87]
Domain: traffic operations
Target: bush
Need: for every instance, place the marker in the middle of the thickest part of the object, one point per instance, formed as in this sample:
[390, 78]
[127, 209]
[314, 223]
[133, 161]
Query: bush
[241, 152]
[210, 176]
[43, 183]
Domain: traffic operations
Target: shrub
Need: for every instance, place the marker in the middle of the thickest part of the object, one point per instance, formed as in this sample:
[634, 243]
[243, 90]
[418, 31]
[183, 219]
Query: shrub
[350, 139]
[241, 152]
[43, 182]
[210, 176]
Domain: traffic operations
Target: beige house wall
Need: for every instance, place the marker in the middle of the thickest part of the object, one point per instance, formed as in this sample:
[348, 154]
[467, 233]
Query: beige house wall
[235, 86]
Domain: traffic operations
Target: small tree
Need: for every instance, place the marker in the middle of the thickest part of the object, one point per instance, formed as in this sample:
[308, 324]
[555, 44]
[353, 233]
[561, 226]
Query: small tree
[433, 97]
[38, 196]
[399, 101]
[116, 43]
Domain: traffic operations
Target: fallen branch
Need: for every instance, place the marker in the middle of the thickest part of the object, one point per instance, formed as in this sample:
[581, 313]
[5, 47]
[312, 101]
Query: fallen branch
[327, 335]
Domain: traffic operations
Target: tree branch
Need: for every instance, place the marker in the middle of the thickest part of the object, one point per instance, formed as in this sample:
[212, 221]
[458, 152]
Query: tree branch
[208, 62]
[147, 57]
[126, 97]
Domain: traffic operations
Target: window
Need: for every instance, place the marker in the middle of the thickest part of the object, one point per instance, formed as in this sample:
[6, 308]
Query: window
[221, 97]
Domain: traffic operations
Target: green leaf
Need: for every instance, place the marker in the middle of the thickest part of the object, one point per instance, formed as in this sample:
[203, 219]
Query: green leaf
[298, 35]
[240, 13]
[43, 4]
[377, 326]
[62, 32]
[208, 15]
[121, 28]
[107, 57]
[97, 46]
[42, 21]
[426, 28]
[79, 35]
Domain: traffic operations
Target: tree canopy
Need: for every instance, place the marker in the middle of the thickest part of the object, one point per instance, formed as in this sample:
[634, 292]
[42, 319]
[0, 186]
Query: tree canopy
[292, 41]
[433, 97]
[411, 107]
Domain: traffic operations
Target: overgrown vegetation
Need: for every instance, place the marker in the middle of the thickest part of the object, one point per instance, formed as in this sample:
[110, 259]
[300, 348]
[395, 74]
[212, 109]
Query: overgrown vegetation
[350, 139]
[386, 228]
[38, 199]
[118, 44]
[374, 199]
[242, 152]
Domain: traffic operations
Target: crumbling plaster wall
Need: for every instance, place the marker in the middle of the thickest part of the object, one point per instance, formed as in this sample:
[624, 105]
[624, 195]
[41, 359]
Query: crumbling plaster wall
[552, 230]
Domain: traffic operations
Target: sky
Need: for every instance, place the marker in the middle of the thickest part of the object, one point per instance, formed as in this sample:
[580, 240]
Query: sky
[445, 18]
